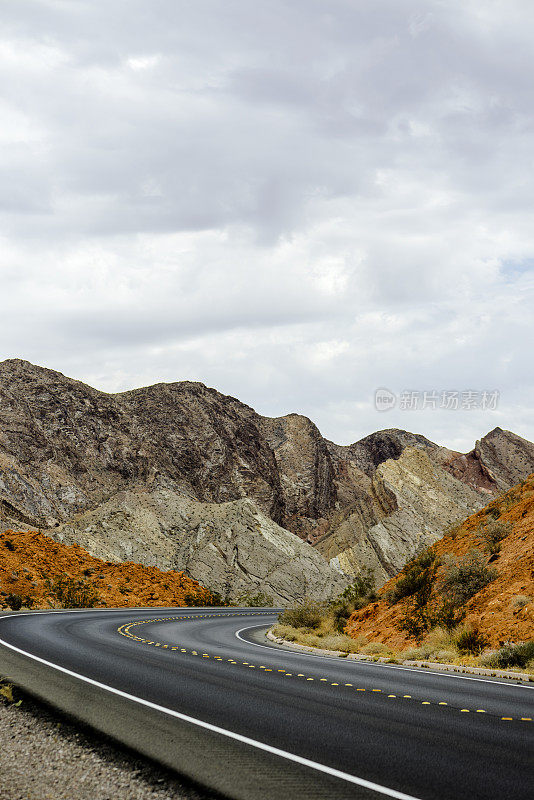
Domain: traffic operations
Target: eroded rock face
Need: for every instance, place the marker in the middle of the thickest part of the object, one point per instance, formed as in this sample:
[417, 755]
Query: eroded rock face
[71, 447]
[371, 451]
[427, 500]
[306, 471]
[506, 457]
[232, 548]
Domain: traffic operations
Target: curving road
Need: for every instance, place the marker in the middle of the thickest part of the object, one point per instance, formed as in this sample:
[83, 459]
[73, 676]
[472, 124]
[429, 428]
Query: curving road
[253, 720]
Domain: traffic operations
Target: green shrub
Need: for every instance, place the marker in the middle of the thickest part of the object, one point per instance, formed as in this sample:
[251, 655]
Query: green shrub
[307, 614]
[471, 641]
[255, 600]
[448, 616]
[356, 596]
[512, 655]
[72, 593]
[466, 577]
[376, 649]
[493, 534]
[14, 601]
[418, 579]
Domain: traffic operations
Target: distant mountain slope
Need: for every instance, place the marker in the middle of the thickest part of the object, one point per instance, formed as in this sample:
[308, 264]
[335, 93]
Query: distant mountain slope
[69, 454]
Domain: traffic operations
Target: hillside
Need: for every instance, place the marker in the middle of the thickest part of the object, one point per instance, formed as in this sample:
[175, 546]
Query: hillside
[29, 558]
[504, 609]
[181, 476]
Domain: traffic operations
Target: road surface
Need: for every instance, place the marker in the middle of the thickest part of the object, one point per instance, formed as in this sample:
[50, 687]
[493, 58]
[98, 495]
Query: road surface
[203, 691]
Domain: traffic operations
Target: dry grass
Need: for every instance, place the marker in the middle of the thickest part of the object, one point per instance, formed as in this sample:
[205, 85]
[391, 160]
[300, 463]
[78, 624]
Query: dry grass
[324, 638]
[439, 646]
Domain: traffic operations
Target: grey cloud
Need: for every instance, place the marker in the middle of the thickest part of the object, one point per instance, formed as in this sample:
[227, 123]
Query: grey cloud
[295, 202]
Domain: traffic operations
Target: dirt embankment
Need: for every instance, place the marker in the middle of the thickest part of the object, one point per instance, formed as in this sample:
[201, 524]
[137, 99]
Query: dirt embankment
[504, 610]
[30, 561]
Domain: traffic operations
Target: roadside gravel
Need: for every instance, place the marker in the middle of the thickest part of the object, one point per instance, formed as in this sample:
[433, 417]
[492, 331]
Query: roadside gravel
[46, 756]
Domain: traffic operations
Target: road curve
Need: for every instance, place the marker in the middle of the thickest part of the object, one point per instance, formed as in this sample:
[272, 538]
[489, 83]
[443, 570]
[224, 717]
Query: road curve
[251, 720]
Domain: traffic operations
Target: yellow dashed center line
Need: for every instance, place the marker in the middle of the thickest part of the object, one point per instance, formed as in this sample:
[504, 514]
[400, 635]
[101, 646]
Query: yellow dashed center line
[125, 630]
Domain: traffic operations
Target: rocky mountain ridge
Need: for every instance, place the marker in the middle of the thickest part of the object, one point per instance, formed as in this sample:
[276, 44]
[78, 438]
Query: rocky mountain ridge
[204, 468]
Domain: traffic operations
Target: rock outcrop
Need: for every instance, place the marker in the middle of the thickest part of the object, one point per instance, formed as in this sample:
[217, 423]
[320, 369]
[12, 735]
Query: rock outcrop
[421, 502]
[232, 547]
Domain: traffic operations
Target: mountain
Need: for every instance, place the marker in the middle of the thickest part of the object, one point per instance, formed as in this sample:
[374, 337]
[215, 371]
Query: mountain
[179, 475]
[503, 610]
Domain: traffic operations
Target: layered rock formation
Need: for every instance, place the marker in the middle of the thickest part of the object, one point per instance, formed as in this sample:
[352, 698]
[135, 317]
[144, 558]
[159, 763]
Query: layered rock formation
[415, 500]
[233, 548]
[179, 475]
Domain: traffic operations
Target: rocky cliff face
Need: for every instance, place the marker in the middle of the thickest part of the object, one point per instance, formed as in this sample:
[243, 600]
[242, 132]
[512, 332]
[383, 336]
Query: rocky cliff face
[81, 463]
[233, 548]
[427, 501]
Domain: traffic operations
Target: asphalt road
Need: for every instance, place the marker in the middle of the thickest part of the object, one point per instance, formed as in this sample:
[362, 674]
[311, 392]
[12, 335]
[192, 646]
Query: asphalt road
[343, 728]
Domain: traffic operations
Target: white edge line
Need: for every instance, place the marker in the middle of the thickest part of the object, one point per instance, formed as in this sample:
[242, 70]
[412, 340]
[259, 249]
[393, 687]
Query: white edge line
[214, 728]
[418, 670]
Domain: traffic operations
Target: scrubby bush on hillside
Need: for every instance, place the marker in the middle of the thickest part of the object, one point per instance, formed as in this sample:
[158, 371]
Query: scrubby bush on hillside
[356, 596]
[255, 600]
[14, 601]
[201, 599]
[70, 592]
[465, 577]
[471, 641]
[417, 579]
[306, 614]
[521, 600]
[493, 534]
[512, 655]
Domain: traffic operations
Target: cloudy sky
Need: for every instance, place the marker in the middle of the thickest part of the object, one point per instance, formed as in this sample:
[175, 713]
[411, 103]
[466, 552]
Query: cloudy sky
[293, 201]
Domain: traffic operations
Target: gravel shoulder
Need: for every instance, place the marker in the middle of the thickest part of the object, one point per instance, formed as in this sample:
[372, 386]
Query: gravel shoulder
[45, 755]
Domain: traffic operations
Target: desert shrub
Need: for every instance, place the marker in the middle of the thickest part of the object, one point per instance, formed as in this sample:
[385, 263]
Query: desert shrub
[9, 545]
[199, 600]
[445, 656]
[464, 578]
[71, 592]
[343, 643]
[306, 614]
[14, 601]
[362, 589]
[471, 640]
[452, 531]
[521, 600]
[493, 534]
[416, 622]
[417, 583]
[512, 655]
[448, 616]
[420, 653]
[356, 596]
[255, 600]
[376, 649]
[417, 579]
